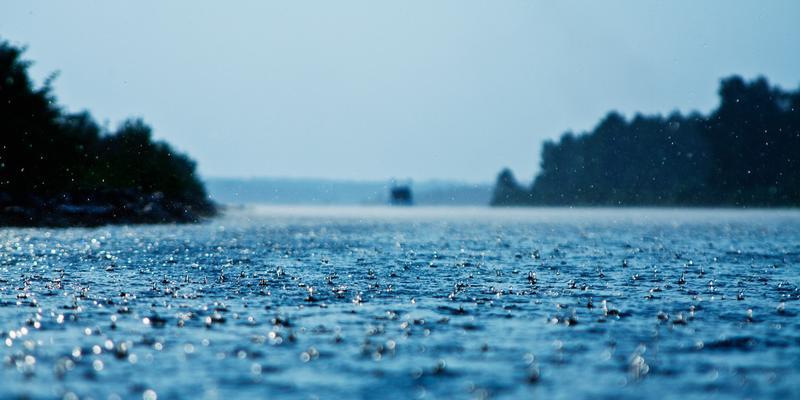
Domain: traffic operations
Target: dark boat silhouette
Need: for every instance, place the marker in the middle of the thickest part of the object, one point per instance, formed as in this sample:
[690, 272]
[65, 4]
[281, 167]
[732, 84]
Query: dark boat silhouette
[400, 195]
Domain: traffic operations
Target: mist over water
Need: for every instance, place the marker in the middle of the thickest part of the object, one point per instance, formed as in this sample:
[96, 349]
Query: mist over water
[366, 302]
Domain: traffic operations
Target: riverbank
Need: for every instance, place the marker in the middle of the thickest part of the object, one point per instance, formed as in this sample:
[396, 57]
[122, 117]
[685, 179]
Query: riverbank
[97, 209]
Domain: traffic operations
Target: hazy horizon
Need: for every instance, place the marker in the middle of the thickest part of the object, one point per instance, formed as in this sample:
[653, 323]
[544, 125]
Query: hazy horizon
[361, 91]
[387, 181]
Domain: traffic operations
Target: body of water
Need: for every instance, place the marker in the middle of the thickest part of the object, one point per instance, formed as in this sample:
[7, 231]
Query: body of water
[371, 302]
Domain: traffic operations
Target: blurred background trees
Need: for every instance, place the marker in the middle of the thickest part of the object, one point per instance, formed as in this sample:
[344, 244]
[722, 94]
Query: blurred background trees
[745, 153]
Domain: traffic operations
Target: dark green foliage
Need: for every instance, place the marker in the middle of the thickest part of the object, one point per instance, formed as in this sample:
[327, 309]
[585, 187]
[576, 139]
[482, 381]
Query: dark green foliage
[50, 159]
[158, 169]
[508, 191]
[745, 153]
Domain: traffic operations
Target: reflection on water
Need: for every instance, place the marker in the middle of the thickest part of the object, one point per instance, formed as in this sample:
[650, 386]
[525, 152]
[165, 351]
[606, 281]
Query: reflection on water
[400, 303]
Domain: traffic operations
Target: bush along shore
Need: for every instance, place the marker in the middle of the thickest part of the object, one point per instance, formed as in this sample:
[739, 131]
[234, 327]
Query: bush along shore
[745, 153]
[63, 169]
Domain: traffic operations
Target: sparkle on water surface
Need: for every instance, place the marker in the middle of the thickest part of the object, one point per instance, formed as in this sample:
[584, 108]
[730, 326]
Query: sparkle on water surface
[407, 303]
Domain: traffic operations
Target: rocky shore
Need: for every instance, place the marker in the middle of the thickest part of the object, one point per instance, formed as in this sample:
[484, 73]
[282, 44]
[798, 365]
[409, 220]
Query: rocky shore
[101, 208]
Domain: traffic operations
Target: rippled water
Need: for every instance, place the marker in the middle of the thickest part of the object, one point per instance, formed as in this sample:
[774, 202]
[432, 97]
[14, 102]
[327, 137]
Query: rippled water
[407, 303]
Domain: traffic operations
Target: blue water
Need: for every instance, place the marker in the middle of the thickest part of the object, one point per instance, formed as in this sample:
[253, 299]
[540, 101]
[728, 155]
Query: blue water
[302, 303]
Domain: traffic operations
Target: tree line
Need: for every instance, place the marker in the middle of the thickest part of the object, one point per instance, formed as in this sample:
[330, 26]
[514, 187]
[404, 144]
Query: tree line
[63, 168]
[746, 152]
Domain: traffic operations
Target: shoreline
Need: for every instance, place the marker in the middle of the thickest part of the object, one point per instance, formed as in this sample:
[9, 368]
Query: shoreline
[116, 208]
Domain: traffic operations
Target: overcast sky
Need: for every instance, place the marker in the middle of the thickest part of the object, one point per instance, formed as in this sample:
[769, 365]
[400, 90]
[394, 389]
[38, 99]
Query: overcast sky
[372, 89]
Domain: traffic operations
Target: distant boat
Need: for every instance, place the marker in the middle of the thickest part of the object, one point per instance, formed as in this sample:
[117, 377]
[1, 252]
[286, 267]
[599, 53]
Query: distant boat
[400, 195]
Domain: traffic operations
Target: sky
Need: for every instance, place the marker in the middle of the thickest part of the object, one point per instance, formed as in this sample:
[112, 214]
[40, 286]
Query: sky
[373, 90]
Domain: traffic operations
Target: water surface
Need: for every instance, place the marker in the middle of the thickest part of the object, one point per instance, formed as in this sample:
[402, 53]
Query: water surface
[407, 303]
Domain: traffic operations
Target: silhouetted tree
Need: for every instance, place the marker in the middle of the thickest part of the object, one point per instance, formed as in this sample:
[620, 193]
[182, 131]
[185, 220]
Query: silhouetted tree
[508, 191]
[49, 158]
[744, 153]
